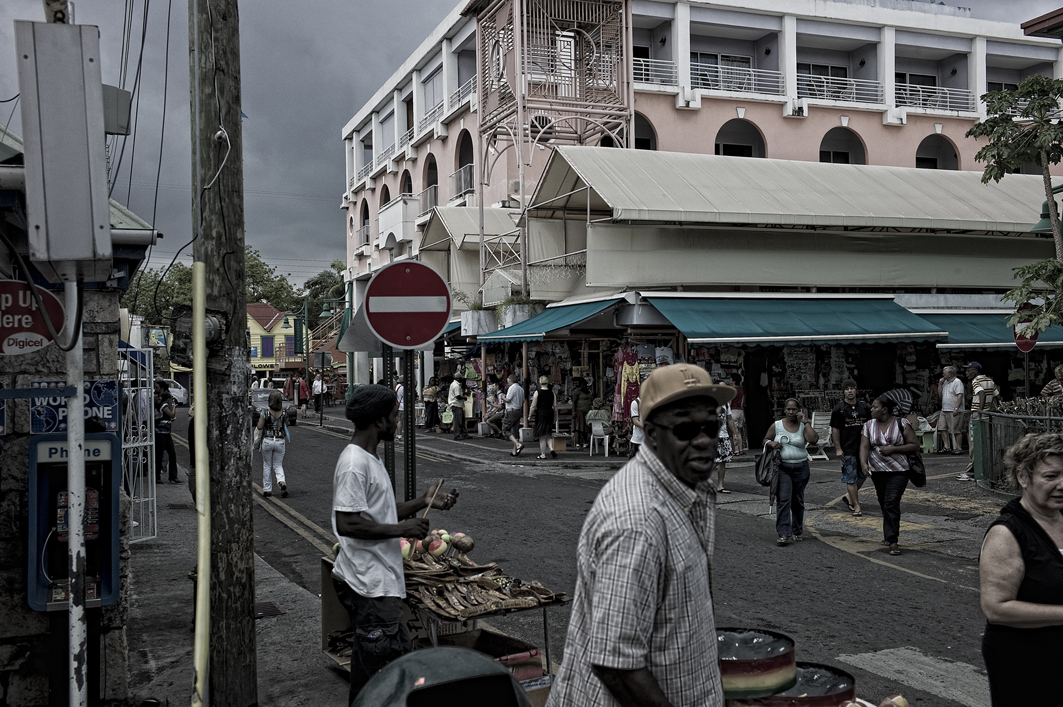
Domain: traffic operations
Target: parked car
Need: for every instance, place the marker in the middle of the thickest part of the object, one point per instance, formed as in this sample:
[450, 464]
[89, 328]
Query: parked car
[260, 401]
[178, 391]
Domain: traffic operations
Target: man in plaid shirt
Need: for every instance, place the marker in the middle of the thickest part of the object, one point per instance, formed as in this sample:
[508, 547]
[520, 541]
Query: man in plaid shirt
[642, 629]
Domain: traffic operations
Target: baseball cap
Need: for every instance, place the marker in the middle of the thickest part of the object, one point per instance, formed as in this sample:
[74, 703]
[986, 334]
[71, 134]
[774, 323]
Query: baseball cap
[668, 384]
[975, 365]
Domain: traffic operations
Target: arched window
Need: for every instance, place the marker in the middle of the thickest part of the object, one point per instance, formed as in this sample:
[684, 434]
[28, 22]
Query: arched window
[740, 138]
[936, 152]
[645, 137]
[385, 196]
[842, 146]
[406, 183]
[431, 173]
[365, 212]
[465, 149]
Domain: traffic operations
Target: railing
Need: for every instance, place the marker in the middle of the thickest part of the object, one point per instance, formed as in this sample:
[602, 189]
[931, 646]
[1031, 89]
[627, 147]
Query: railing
[935, 97]
[462, 181]
[405, 138]
[837, 89]
[352, 182]
[431, 117]
[385, 155]
[659, 71]
[737, 78]
[429, 198]
[467, 89]
[997, 431]
[364, 172]
[361, 236]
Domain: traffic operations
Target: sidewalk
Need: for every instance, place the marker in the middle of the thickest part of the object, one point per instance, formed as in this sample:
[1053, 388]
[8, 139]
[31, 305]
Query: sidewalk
[160, 621]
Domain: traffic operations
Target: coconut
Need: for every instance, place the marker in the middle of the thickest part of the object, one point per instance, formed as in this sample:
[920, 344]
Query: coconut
[894, 701]
[463, 544]
[407, 548]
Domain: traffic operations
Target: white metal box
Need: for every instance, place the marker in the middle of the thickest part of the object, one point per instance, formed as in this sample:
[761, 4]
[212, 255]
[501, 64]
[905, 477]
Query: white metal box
[68, 219]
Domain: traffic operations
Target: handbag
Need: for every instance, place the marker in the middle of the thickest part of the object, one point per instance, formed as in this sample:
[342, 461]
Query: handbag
[916, 471]
[767, 465]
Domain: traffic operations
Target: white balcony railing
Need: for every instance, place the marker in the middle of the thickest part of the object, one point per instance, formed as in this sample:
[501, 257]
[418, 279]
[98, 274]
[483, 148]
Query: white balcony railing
[361, 236]
[837, 89]
[364, 172]
[658, 71]
[428, 199]
[385, 155]
[405, 138]
[935, 97]
[351, 182]
[431, 117]
[462, 94]
[462, 181]
[737, 78]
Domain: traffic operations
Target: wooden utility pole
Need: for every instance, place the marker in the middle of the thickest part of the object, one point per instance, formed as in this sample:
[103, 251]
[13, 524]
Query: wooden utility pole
[218, 223]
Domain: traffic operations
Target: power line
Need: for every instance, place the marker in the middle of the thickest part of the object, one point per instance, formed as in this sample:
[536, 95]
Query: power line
[247, 192]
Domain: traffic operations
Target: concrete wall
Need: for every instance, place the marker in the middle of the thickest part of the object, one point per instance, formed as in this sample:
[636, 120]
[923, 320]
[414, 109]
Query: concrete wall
[26, 654]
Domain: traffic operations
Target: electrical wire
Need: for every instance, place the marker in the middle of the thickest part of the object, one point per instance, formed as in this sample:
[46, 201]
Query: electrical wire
[9, 117]
[8, 100]
[75, 332]
[136, 88]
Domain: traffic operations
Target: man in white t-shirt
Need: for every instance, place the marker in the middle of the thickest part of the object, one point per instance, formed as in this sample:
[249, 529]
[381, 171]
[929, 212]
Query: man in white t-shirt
[637, 435]
[514, 413]
[367, 574]
[318, 391]
[400, 393]
[951, 419]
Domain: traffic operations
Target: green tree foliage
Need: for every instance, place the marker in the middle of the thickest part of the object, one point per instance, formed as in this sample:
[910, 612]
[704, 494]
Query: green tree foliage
[265, 284]
[327, 284]
[1023, 126]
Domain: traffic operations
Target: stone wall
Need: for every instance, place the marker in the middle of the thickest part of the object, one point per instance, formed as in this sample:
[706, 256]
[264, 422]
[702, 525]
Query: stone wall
[25, 639]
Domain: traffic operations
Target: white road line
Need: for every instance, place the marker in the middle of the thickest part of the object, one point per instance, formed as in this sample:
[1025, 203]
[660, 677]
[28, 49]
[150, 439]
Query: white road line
[407, 304]
[948, 679]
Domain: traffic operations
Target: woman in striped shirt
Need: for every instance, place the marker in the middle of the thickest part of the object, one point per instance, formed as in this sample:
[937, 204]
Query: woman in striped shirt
[884, 447]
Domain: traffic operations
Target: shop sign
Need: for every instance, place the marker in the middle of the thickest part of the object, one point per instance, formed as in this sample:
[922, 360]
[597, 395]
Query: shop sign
[48, 413]
[22, 327]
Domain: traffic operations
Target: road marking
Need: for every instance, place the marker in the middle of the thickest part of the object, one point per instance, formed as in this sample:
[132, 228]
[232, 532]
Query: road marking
[327, 535]
[327, 550]
[947, 679]
[422, 455]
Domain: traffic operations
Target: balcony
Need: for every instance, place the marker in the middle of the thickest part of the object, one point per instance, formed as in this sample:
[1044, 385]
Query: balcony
[658, 71]
[837, 89]
[405, 138]
[428, 200]
[463, 181]
[397, 221]
[385, 155]
[364, 172]
[431, 117]
[738, 79]
[361, 236]
[935, 97]
[462, 94]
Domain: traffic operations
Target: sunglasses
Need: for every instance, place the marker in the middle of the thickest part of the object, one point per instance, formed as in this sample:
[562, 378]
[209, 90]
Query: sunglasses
[687, 431]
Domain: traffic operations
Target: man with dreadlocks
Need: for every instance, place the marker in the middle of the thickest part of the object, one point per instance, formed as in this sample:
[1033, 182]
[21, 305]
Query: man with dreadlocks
[368, 574]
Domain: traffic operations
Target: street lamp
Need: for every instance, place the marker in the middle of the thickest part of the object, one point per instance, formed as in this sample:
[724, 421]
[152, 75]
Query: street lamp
[1045, 224]
[304, 339]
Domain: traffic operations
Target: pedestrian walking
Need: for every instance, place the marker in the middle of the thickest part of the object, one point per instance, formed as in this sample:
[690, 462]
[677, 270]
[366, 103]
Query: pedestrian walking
[431, 406]
[514, 413]
[165, 411]
[581, 405]
[495, 410]
[951, 418]
[319, 392]
[983, 397]
[724, 448]
[847, 421]
[638, 434]
[400, 394]
[791, 436]
[273, 424]
[1021, 578]
[886, 442]
[542, 406]
[368, 575]
[642, 614]
[456, 405]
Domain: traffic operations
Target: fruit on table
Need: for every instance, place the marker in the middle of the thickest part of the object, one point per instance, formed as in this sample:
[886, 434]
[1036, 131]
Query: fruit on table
[894, 701]
[437, 547]
[407, 548]
[463, 543]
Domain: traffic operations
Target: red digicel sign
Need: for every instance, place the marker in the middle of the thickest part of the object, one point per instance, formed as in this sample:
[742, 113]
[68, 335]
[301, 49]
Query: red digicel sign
[22, 327]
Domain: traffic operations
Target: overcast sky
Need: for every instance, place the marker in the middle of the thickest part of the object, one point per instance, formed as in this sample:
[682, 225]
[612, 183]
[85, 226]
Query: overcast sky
[307, 67]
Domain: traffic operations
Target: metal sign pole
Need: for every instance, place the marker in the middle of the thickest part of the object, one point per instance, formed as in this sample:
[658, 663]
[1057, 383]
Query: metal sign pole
[409, 425]
[389, 382]
[1026, 355]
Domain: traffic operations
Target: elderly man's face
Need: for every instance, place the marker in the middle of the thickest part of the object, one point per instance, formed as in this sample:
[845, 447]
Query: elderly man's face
[684, 437]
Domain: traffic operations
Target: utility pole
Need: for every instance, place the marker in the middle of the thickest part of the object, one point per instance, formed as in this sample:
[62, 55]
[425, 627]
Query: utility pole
[218, 224]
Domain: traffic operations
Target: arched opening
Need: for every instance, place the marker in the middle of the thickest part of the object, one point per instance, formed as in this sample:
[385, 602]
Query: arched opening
[740, 138]
[936, 152]
[350, 225]
[645, 136]
[607, 141]
[842, 146]
[465, 149]
[462, 182]
[365, 212]
[406, 183]
[385, 196]
[431, 173]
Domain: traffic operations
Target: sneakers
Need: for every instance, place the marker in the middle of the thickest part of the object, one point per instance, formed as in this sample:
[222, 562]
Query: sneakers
[783, 540]
[797, 538]
[267, 494]
[284, 490]
[965, 477]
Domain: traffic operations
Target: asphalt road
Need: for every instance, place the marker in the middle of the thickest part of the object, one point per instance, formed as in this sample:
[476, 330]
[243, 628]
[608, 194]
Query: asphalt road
[908, 624]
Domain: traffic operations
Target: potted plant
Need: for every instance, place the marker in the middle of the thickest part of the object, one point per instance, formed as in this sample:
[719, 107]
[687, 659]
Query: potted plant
[515, 309]
[476, 319]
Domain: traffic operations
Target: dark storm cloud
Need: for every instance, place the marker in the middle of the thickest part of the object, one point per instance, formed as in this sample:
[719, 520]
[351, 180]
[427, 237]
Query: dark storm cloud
[306, 68]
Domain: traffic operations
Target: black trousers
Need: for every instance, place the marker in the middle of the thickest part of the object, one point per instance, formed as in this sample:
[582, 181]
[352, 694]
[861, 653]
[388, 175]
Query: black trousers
[889, 486]
[317, 402]
[379, 636]
[164, 443]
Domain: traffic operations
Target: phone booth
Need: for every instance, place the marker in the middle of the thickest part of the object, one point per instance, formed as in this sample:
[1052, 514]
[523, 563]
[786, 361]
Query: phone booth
[48, 579]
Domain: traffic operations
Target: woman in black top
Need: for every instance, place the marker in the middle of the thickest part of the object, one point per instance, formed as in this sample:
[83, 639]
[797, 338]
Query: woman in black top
[543, 405]
[1021, 570]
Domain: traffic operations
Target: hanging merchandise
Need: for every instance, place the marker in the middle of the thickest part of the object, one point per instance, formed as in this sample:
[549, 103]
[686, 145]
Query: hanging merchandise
[627, 383]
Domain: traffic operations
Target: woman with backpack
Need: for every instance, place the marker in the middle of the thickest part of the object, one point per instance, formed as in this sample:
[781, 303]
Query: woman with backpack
[274, 427]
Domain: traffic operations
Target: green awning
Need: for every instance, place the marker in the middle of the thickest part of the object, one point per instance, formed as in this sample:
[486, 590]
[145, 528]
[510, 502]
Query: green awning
[452, 327]
[550, 319]
[787, 321]
[986, 331]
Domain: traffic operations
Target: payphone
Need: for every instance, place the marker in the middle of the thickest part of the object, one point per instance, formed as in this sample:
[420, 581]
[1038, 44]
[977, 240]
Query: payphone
[48, 580]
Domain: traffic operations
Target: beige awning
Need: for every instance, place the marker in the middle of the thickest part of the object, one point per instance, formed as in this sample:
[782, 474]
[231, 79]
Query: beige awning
[641, 185]
[460, 225]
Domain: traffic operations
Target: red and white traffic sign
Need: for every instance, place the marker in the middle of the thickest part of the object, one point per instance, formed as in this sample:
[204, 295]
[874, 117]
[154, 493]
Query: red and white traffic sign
[407, 304]
[22, 327]
[1024, 342]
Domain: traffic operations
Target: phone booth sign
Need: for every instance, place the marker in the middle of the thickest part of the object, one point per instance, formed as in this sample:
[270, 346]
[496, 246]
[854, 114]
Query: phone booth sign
[48, 582]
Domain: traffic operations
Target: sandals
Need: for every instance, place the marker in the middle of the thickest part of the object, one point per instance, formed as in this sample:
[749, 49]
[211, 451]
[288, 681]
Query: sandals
[895, 549]
[540, 456]
[848, 502]
[520, 448]
[723, 490]
[858, 514]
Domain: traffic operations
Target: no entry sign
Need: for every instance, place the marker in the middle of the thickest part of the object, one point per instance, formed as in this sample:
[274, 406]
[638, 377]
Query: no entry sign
[407, 304]
[22, 327]
[1024, 340]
